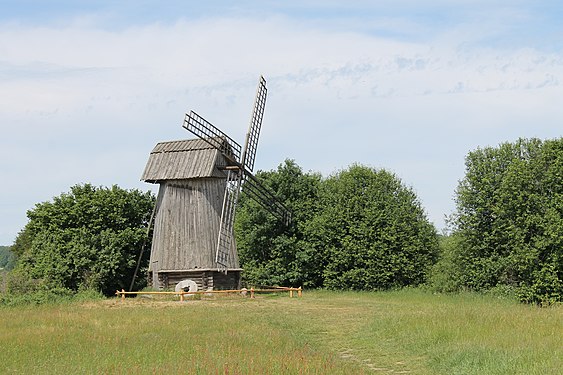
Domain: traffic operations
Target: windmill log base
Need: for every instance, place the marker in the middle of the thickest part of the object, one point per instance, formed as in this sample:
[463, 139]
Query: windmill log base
[206, 279]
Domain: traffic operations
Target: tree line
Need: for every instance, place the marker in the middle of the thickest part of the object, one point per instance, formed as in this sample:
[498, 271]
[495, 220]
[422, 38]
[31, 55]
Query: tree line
[360, 229]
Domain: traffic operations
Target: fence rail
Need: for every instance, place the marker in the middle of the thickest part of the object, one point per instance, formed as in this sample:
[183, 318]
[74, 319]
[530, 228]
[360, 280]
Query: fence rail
[122, 293]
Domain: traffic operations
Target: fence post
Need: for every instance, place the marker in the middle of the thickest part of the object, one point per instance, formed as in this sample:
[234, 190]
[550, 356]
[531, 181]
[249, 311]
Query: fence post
[291, 293]
[251, 292]
[182, 297]
[122, 295]
[299, 292]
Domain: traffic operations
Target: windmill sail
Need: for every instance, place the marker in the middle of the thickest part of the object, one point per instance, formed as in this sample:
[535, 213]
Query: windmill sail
[266, 198]
[205, 130]
[251, 143]
[225, 238]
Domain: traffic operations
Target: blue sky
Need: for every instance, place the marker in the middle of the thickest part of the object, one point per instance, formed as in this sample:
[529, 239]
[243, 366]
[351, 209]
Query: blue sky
[88, 87]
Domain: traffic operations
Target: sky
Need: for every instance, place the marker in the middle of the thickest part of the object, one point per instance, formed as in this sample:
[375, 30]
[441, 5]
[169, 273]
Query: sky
[87, 88]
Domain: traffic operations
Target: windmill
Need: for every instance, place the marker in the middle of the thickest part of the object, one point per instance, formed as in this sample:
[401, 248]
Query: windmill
[200, 180]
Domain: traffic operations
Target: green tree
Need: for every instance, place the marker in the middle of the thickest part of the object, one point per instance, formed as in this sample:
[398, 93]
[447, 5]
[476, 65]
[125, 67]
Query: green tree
[87, 238]
[509, 219]
[359, 229]
[372, 232]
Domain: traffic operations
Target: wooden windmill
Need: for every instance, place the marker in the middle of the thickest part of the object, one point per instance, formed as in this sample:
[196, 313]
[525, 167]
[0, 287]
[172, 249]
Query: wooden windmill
[200, 179]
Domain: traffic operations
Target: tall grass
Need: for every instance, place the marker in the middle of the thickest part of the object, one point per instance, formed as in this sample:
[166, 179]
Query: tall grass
[423, 333]
[407, 331]
[226, 336]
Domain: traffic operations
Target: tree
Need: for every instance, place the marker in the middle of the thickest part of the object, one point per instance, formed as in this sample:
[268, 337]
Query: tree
[358, 229]
[509, 219]
[373, 232]
[87, 238]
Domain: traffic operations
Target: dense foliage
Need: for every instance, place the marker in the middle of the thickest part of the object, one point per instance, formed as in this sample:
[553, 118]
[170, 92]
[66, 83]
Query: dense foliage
[509, 221]
[88, 238]
[358, 229]
[373, 231]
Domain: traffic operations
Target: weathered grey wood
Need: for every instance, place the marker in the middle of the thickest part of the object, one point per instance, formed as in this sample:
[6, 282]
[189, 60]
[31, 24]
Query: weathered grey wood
[188, 213]
[205, 280]
[185, 159]
[187, 225]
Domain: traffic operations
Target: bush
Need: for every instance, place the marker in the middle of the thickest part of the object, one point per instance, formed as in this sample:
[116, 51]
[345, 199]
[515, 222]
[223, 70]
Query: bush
[444, 275]
[19, 289]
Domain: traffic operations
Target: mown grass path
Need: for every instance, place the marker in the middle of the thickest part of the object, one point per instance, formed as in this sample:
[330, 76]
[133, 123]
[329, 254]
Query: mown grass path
[409, 332]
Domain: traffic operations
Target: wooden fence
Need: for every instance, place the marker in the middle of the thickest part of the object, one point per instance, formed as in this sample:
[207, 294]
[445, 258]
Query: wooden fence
[244, 292]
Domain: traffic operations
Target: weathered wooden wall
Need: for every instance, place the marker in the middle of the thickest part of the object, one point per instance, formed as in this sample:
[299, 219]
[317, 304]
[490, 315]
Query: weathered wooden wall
[186, 225]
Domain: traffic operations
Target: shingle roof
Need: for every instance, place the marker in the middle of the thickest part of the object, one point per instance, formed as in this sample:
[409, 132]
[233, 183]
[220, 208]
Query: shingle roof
[178, 160]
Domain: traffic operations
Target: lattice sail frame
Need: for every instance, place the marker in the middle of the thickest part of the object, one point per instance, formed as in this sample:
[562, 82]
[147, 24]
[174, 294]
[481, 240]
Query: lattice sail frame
[266, 198]
[226, 236]
[251, 142]
[205, 130]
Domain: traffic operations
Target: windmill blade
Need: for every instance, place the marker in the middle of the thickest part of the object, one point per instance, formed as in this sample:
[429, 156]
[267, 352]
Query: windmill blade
[266, 198]
[205, 130]
[251, 143]
[226, 236]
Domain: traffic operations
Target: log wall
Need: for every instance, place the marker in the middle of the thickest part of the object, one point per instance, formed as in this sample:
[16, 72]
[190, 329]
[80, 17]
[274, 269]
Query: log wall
[205, 280]
[186, 225]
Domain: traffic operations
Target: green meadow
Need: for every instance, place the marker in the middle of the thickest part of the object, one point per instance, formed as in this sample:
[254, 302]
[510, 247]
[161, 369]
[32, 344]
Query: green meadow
[402, 332]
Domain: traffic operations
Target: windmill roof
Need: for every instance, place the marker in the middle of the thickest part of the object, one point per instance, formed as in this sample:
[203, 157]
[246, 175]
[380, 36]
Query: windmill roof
[183, 159]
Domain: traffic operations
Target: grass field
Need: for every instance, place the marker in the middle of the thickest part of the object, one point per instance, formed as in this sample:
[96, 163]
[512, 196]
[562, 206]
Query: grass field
[409, 332]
